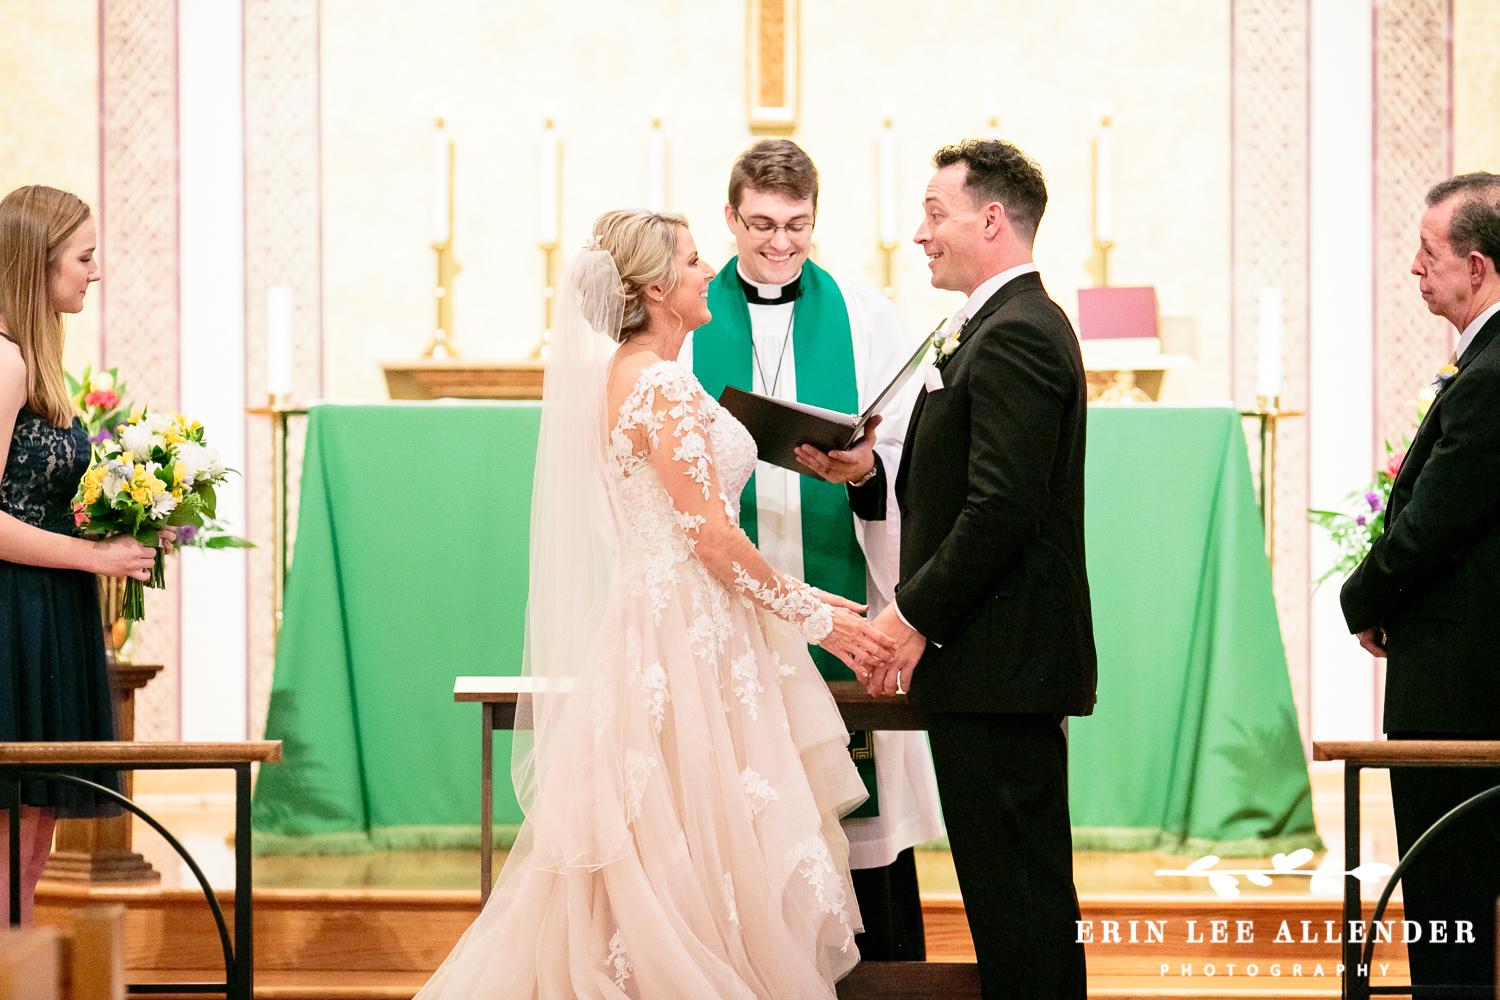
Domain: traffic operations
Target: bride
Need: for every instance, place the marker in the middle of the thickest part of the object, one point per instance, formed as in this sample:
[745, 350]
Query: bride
[683, 766]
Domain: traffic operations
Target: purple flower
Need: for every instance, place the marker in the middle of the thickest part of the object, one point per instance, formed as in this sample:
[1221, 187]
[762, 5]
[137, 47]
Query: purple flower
[1360, 520]
[185, 533]
[1376, 505]
[102, 436]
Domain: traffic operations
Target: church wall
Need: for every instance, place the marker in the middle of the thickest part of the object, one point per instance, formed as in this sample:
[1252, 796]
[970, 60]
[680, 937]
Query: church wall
[49, 76]
[386, 64]
[1476, 85]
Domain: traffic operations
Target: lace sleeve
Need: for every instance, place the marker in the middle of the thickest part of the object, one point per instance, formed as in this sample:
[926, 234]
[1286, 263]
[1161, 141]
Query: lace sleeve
[670, 414]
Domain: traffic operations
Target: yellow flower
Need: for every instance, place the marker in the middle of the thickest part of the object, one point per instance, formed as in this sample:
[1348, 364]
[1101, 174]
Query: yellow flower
[93, 484]
[127, 458]
[172, 435]
[1447, 370]
[178, 473]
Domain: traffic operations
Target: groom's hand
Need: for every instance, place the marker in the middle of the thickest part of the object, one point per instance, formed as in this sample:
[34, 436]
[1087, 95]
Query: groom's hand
[843, 466]
[894, 677]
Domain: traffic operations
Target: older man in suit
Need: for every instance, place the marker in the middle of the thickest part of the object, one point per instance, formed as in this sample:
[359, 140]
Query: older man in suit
[993, 606]
[1425, 597]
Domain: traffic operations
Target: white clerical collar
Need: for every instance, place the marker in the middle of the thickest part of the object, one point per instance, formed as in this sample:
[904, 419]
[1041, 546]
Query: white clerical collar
[985, 291]
[766, 291]
[1473, 329]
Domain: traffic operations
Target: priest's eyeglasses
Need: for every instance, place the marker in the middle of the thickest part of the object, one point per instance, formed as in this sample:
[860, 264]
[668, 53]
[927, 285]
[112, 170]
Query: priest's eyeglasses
[766, 228]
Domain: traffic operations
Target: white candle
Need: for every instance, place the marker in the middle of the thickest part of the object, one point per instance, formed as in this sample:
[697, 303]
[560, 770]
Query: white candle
[279, 340]
[1269, 328]
[885, 210]
[440, 178]
[656, 163]
[549, 201]
[1104, 179]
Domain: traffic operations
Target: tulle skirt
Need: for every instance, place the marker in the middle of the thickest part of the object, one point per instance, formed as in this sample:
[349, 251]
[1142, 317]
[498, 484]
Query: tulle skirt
[54, 682]
[684, 840]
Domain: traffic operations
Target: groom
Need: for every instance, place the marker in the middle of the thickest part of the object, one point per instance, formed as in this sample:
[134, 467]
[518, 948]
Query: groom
[993, 606]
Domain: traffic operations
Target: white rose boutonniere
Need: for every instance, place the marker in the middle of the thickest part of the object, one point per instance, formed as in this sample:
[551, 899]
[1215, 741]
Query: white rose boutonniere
[944, 344]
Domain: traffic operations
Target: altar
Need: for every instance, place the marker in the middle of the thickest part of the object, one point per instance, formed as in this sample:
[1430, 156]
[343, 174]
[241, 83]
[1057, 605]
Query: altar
[411, 568]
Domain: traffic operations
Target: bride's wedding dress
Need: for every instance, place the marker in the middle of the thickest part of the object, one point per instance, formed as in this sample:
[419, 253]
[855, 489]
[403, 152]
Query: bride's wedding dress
[684, 839]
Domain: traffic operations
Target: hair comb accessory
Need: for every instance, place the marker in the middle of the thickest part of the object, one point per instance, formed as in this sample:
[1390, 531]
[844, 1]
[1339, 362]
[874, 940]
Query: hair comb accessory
[593, 243]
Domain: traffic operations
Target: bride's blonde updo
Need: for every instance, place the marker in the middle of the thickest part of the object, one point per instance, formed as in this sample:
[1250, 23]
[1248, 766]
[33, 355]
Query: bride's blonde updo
[644, 246]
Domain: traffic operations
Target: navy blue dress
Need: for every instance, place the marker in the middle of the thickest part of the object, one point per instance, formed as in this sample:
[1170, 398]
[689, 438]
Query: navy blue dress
[54, 681]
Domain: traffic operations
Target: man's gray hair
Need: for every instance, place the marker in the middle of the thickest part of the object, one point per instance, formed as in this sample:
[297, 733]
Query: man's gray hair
[1476, 222]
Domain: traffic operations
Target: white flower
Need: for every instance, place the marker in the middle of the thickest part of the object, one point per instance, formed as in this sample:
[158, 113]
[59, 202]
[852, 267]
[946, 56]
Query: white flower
[199, 463]
[949, 344]
[162, 504]
[139, 439]
[116, 476]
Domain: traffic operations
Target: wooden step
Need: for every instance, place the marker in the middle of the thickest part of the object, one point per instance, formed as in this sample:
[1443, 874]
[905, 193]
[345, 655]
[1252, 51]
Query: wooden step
[352, 944]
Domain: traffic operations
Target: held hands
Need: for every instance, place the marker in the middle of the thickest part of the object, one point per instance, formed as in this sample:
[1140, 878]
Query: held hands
[894, 676]
[1373, 639]
[853, 640]
[843, 466]
[124, 556]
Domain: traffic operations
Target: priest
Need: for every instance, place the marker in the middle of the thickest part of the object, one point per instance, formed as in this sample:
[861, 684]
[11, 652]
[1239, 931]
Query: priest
[784, 327]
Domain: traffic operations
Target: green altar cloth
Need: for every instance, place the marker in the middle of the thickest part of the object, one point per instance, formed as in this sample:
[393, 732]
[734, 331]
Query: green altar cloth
[411, 565]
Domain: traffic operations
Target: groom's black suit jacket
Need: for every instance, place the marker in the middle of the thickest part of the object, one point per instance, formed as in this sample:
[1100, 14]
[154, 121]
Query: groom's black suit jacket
[990, 489]
[1432, 579]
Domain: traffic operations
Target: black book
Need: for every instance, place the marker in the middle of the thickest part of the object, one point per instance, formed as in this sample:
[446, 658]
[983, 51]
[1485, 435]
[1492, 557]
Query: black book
[781, 426]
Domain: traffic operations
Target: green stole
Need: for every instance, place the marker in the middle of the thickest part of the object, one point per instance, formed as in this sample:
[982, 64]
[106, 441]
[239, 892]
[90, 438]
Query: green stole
[823, 352]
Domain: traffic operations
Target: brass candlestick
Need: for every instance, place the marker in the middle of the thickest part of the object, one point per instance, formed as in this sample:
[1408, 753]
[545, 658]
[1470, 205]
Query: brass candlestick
[280, 410]
[441, 346]
[1269, 412]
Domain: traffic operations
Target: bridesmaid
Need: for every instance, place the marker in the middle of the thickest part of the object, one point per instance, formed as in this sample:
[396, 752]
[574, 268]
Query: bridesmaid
[54, 684]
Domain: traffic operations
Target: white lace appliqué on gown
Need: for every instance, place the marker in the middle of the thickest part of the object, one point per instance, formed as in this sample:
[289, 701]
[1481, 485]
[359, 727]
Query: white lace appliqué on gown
[688, 843]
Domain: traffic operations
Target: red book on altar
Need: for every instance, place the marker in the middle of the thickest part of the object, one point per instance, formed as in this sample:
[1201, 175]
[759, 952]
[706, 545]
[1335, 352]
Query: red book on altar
[1112, 313]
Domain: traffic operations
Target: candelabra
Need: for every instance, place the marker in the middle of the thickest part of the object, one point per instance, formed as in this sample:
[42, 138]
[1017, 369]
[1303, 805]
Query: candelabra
[1269, 413]
[441, 346]
[551, 223]
[885, 207]
[1104, 205]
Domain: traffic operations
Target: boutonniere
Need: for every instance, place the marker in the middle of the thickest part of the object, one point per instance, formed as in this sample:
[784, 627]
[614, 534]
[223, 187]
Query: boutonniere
[944, 343]
[1443, 375]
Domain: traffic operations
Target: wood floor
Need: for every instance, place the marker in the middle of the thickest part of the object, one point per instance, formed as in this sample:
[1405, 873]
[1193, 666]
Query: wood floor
[375, 925]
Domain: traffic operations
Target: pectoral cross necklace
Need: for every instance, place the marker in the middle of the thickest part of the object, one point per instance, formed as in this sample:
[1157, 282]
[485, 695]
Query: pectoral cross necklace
[771, 386]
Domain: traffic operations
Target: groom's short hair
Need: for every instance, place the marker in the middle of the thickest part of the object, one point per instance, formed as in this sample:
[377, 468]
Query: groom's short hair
[775, 165]
[998, 171]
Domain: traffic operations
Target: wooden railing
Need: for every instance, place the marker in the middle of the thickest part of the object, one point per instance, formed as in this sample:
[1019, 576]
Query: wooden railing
[50, 762]
[1397, 753]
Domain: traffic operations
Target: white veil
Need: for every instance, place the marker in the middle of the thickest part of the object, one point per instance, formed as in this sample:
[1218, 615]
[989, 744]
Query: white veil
[574, 538]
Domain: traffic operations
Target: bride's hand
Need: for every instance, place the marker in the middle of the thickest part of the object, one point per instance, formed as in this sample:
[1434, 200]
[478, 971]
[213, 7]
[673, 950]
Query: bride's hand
[856, 642]
[840, 602]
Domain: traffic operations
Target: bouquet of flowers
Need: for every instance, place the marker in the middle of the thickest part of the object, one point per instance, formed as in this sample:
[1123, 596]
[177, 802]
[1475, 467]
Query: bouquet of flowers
[151, 472]
[1354, 533]
[97, 398]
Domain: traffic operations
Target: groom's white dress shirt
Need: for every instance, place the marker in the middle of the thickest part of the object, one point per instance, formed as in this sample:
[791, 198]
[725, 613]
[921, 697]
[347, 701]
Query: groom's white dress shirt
[909, 810]
[1473, 329]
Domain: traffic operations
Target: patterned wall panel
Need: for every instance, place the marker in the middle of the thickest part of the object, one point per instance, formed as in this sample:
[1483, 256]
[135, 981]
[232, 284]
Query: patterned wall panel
[1413, 151]
[283, 215]
[138, 211]
[1269, 248]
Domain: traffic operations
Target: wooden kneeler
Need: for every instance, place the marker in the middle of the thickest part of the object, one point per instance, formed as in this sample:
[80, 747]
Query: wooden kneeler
[497, 697]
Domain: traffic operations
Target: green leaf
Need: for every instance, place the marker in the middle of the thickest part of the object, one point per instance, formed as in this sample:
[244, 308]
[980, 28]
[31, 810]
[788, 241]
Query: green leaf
[228, 542]
[209, 498]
